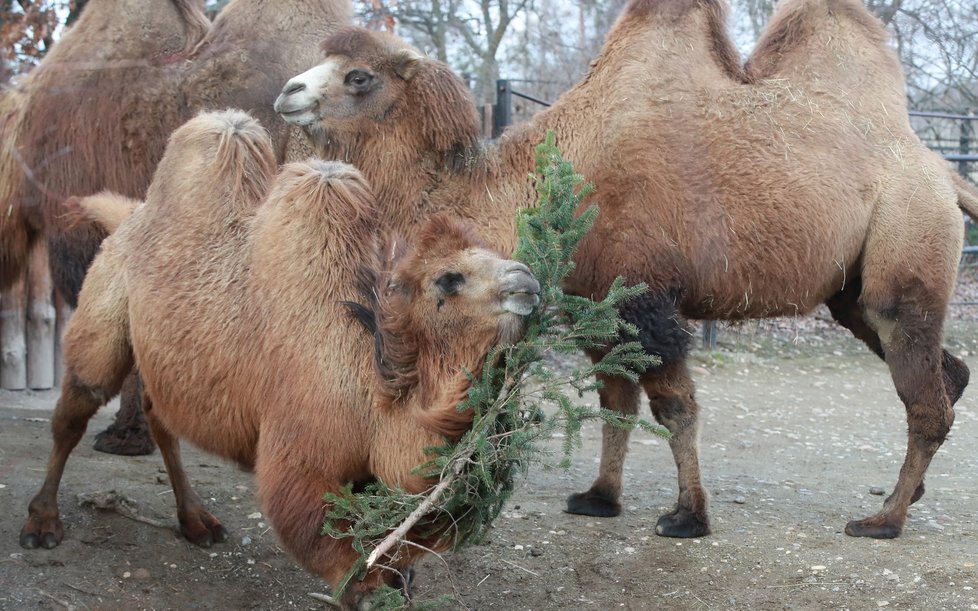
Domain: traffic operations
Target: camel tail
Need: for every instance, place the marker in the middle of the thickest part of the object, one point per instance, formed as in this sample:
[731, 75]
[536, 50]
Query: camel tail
[106, 209]
[967, 196]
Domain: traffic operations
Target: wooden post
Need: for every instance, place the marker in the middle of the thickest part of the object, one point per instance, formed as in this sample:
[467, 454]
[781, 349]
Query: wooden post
[62, 316]
[40, 321]
[964, 145]
[13, 350]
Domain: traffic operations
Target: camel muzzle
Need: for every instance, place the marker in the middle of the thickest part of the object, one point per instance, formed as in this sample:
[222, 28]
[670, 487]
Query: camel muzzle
[520, 290]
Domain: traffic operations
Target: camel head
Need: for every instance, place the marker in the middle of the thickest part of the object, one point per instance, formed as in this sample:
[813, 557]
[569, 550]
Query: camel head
[370, 82]
[443, 303]
[449, 284]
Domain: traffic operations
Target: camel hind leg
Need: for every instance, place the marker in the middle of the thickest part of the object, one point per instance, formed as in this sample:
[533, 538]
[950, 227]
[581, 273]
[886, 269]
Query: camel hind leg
[848, 312]
[129, 434]
[904, 299]
[927, 378]
[98, 356]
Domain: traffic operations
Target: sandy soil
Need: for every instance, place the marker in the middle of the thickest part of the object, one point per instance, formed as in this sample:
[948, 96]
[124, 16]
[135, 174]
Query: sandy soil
[798, 428]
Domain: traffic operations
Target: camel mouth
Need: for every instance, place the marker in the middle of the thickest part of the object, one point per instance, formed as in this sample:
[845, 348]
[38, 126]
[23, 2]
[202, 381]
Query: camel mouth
[521, 303]
[294, 111]
[521, 290]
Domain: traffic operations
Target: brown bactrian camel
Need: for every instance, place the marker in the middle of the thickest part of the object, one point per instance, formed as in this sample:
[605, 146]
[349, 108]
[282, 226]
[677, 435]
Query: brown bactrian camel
[97, 111]
[283, 380]
[733, 196]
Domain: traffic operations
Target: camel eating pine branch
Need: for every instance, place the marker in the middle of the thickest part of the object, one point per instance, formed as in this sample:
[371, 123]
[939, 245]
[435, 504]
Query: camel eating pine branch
[476, 475]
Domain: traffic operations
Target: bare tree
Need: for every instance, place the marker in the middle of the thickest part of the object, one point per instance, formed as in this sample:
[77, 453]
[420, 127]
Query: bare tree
[27, 30]
[469, 34]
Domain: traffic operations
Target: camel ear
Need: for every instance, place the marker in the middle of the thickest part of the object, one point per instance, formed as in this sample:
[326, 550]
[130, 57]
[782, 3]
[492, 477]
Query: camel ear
[406, 63]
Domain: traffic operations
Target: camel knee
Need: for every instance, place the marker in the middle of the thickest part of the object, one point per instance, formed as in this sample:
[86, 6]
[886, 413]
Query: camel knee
[673, 411]
[672, 398]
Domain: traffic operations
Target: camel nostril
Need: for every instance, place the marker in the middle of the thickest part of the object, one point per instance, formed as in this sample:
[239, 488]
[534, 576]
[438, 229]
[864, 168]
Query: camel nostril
[293, 88]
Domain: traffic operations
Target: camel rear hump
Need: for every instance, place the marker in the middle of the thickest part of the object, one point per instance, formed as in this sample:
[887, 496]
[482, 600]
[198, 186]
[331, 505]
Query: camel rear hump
[223, 160]
[837, 41]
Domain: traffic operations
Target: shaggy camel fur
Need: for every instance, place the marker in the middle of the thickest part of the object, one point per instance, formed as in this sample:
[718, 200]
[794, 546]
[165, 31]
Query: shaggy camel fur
[283, 379]
[731, 194]
[131, 71]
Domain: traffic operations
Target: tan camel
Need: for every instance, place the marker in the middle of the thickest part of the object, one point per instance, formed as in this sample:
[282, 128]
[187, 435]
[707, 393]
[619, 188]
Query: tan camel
[733, 196]
[98, 109]
[282, 380]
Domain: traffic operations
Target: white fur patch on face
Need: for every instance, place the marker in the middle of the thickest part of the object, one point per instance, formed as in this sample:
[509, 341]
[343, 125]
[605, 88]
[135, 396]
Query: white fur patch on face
[299, 99]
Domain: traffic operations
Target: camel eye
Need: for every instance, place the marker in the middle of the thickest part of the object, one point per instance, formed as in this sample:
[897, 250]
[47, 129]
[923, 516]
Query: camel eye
[359, 80]
[450, 282]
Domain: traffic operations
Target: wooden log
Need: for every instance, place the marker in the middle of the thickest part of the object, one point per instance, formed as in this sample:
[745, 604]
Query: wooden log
[13, 349]
[63, 314]
[40, 321]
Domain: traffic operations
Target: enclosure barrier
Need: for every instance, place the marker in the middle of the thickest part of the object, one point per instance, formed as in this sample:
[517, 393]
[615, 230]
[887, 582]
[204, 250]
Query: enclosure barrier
[32, 320]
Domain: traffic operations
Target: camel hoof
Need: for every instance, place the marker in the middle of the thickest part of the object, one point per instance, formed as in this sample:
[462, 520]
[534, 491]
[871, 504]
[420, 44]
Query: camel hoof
[682, 523]
[34, 537]
[125, 441]
[206, 536]
[874, 528]
[594, 504]
[29, 540]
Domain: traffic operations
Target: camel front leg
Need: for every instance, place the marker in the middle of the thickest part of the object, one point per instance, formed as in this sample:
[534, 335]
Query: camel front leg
[197, 524]
[290, 491]
[603, 498]
[671, 397]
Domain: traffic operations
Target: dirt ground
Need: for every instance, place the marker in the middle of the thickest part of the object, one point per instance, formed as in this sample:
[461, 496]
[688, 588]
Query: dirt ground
[800, 427]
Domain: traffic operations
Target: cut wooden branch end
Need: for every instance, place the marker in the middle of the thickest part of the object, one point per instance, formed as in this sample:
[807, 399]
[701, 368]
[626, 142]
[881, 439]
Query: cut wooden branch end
[326, 598]
[400, 533]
